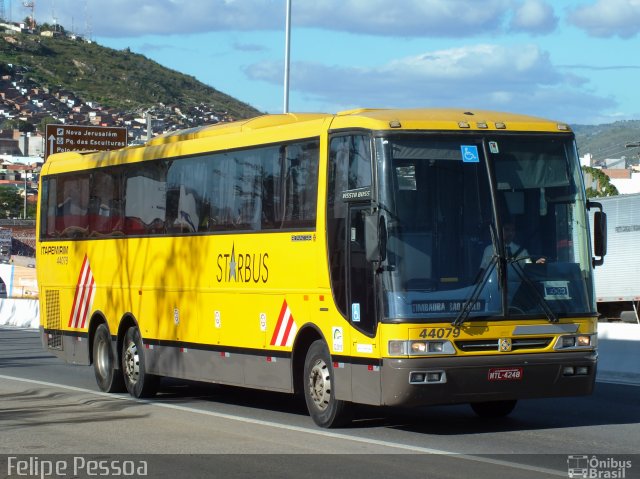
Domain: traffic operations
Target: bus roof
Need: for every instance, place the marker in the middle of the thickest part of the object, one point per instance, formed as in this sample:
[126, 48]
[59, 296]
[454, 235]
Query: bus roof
[378, 119]
[264, 127]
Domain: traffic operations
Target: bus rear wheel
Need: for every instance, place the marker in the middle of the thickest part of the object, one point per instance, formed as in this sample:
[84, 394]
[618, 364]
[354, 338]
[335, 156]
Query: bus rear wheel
[319, 392]
[139, 383]
[108, 377]
[493, 409]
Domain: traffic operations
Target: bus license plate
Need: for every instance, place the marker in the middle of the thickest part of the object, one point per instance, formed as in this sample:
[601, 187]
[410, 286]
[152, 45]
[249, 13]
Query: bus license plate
[505, 374]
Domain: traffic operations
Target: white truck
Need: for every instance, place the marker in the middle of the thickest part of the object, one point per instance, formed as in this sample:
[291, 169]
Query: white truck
[617, 281]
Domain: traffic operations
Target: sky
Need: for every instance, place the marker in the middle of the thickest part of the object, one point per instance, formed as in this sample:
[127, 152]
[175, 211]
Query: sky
[575, 61]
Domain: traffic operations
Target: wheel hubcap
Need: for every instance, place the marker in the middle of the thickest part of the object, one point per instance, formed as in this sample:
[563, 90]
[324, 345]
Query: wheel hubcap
[320, 384]
[132, 363]
[102, 359]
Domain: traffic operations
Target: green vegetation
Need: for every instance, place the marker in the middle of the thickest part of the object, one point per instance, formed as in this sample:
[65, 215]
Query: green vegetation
[12, 203]
[117, 79]
[605, 188]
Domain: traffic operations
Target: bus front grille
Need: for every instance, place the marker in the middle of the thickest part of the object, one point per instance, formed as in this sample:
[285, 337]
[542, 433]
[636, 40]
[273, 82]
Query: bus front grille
[477, 345]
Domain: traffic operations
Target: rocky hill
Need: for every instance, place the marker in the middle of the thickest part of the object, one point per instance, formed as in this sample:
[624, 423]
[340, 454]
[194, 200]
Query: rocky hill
[608, 140]
[61, 76]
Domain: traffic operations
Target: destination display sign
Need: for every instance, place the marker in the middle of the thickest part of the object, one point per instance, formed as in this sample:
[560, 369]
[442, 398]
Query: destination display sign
[62, 138]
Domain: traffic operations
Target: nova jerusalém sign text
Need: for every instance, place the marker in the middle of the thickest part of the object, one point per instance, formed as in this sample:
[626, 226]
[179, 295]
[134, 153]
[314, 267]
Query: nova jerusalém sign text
[62, 138]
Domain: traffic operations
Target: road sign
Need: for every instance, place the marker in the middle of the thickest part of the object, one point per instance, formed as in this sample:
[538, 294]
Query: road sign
[61, 138]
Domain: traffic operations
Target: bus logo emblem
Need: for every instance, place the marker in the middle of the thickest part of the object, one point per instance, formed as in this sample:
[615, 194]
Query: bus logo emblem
[504, 345]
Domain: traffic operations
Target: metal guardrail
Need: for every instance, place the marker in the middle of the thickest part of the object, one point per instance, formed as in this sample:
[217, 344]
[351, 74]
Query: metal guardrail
[18, 222]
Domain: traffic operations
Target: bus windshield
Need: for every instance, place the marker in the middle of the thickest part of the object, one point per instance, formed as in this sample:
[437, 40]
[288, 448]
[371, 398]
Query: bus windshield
[479, 227]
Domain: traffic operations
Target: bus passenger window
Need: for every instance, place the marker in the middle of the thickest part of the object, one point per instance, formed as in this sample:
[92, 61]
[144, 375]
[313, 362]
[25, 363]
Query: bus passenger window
[300, 185]
[145, 202]
[104, 219]
[72, 207]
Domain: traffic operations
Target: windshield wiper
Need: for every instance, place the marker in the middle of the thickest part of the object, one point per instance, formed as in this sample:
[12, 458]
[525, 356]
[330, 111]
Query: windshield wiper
[532, 287]
[465, 311]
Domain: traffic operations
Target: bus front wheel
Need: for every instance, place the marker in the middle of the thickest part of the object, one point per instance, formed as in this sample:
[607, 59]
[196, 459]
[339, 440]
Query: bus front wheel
[108, 377]
[493, 409]
[319, 392]
[139, 383]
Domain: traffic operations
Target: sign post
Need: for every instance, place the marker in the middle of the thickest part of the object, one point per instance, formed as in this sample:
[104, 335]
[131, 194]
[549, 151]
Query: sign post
[62, 138]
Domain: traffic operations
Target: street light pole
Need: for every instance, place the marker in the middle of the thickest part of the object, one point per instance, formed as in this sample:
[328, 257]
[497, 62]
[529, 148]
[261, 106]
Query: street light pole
[25, 195]
[287, 51]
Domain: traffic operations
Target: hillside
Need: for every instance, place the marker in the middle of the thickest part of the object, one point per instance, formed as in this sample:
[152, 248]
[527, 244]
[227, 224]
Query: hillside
[115, 79]
[608, 140]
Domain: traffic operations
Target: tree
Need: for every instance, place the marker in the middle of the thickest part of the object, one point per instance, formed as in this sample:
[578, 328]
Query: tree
[47, 120]
[603, 183]
[21, 125]
[11, 203]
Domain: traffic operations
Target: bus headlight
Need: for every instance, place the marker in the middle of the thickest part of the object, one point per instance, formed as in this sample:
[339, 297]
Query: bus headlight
[420, 348]
[430, 347]
[397, 348]
[576, 341]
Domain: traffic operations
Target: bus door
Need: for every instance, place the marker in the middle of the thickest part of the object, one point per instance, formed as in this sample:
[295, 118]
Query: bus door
[361, 278]
[361, 307]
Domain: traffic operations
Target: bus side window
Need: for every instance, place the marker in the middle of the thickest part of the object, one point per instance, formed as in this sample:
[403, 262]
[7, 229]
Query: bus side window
[49, 187]
[300, 171]
[72, 220]
[145, 201]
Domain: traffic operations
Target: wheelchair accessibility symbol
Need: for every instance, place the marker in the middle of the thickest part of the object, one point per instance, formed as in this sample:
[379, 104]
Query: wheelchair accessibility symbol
[470, 154]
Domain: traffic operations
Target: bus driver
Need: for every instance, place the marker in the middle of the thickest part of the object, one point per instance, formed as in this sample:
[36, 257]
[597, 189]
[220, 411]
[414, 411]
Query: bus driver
[513, 250]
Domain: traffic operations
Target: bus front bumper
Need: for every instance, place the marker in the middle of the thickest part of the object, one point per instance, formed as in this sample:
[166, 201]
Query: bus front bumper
[452, 380]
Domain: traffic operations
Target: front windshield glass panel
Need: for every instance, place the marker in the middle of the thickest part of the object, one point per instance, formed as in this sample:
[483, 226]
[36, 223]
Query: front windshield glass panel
[443, 250]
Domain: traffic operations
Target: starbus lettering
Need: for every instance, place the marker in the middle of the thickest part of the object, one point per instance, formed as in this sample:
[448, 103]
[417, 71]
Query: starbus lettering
[242, 267]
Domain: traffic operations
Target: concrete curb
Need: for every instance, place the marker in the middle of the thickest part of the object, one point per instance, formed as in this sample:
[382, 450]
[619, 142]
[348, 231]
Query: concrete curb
[22, 313]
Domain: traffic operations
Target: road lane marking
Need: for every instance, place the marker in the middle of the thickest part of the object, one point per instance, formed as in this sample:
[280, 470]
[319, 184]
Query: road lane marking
[316, 432]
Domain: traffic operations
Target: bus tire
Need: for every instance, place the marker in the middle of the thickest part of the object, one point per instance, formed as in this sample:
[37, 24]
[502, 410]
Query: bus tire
[493, 409]
[319, 393]
[139, 383]
[108, 376]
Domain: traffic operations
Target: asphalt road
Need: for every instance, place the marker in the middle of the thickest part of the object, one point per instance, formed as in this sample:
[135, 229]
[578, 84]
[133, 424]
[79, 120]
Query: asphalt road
[53, 412]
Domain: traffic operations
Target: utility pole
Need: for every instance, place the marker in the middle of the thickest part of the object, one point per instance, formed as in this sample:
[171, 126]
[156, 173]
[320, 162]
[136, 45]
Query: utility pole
[287, 51]
[25, 195]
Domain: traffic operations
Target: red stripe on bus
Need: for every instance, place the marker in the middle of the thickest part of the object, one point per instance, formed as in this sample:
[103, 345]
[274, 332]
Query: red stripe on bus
[283, 311]
[75, 298]
[285, 337]
[83, 297]
[92, 291]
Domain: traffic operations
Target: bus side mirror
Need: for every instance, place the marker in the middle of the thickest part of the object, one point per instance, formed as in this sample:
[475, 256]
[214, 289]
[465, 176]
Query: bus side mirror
[375, 237]
[599, 233]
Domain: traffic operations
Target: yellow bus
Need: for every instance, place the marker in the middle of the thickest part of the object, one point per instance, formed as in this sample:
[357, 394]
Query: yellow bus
[381, 257]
